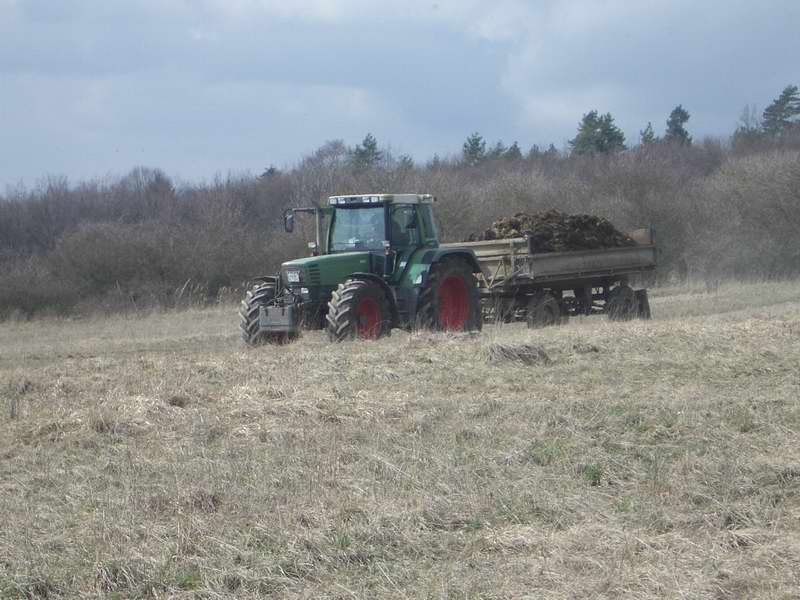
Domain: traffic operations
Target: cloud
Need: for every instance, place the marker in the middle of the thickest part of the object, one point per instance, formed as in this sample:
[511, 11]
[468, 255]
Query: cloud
[197, 86]
[639, 60]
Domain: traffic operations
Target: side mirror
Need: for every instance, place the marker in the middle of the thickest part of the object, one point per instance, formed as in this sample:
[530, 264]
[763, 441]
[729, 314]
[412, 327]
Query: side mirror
[288, 221]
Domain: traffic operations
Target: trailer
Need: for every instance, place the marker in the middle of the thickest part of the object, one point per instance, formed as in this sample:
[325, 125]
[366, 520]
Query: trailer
[546, 288]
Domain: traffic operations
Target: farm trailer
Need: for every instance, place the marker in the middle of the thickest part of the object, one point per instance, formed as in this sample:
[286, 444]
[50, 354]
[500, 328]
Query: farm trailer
[546, 288]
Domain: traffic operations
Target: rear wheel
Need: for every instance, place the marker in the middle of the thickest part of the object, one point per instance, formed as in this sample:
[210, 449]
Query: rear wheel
[543, 310]
[358, 309]
[621, 304]
[258, 296]
[449, 300]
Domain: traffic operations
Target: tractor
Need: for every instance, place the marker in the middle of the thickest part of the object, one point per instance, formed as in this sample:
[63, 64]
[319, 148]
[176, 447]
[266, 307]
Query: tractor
[377, 266]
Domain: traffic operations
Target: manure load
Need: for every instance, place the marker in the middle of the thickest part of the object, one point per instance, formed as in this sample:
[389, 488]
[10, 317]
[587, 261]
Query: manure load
[555, 231]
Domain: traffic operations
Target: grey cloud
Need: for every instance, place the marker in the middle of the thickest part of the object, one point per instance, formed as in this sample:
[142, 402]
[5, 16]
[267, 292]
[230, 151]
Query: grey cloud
[93, 87]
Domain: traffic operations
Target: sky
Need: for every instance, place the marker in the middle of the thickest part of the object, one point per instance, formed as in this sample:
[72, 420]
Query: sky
[202, 88]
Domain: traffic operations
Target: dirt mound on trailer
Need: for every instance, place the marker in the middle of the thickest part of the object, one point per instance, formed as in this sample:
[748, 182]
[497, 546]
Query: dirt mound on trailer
[555, 231]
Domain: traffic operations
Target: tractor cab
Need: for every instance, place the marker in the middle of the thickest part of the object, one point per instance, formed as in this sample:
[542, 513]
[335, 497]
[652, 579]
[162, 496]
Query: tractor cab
[388, 226]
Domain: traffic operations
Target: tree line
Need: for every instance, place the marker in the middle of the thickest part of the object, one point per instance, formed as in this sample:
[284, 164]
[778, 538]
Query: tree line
[721, 207]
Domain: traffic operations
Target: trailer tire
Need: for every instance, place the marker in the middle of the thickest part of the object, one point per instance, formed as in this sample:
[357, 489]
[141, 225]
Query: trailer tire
[257, 296]
[449, 299]
[642, 305]
[621, 304]
[543, 311]
[358, 308]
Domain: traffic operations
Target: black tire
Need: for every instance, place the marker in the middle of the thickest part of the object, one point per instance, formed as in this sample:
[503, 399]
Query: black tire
[543, 311]
[259, 295]
[642, 304]
[621, 304]
[438, 310]
[358, 308]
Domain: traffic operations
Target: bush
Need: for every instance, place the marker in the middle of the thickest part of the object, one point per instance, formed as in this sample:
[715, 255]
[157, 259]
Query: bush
[140, 241]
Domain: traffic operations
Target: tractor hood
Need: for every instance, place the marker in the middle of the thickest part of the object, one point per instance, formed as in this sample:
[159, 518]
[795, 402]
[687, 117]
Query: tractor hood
[327, 270]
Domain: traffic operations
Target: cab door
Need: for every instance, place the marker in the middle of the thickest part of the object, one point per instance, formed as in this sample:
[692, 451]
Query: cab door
[404, 235]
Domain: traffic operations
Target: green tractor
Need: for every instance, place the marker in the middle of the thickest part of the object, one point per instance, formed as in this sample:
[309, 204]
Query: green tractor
[378, 266]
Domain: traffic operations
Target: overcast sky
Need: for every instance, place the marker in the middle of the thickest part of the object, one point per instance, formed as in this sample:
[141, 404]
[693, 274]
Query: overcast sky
[90, 88]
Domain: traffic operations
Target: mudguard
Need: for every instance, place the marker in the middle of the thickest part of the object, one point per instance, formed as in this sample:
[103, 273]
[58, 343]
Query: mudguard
[436, 254]
[266, 279]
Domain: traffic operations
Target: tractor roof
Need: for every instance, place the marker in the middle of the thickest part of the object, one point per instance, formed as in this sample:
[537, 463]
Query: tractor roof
[381, 198]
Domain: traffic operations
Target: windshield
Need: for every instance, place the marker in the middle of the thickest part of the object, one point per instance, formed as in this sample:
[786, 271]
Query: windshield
[358, 229]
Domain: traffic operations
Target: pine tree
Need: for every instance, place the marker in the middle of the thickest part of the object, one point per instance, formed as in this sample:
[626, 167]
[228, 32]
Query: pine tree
[513, 152]
[552, 151]
[496, 151]
[782, 115]
[405, 162]
[474, 149]
[647, 136]
[366, 155]
[270, 171]
[676, 132]
[597, 135]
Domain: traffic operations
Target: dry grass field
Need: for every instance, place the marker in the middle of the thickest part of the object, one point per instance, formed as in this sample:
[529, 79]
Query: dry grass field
[156, 457]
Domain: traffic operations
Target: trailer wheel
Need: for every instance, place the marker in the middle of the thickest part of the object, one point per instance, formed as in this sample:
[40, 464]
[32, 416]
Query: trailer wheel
[449, 300]
[621, 304]
[358, 309]
[642, 304]
[257, 296]
[543, 310]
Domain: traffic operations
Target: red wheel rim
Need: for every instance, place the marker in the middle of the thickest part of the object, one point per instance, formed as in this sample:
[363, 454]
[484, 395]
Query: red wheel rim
[368, 315]
[453, 304]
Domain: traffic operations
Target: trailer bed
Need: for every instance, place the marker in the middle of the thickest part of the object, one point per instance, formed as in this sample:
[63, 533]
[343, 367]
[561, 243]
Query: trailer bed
[508, 262]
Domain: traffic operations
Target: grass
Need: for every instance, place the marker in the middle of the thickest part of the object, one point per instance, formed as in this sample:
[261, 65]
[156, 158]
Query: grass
[155, 457]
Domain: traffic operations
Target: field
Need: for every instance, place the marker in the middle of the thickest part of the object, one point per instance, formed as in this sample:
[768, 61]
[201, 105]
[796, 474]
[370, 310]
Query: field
[154, 456]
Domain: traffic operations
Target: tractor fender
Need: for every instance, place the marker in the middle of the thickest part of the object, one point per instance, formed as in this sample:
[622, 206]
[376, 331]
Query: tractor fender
[266, 279]
[387, 290]
[435, 255]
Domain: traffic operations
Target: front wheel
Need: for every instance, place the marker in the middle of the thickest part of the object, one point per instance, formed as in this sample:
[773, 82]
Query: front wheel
[358, 309]
[259, 295]
[449, 300]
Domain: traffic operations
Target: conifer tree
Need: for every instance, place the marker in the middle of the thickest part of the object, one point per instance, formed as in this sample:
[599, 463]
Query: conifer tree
[647, 136]
[496, 151]
[474, 149]
[513, 152]
[597, 135]
[366, 155]
[782, 115]
[676, 131]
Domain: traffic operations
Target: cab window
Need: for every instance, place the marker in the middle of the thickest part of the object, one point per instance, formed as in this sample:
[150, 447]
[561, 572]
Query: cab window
[405, 228]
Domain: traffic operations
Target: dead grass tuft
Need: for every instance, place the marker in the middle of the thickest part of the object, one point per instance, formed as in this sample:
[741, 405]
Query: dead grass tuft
[205, 501]
[528, 354]
[178, 401]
